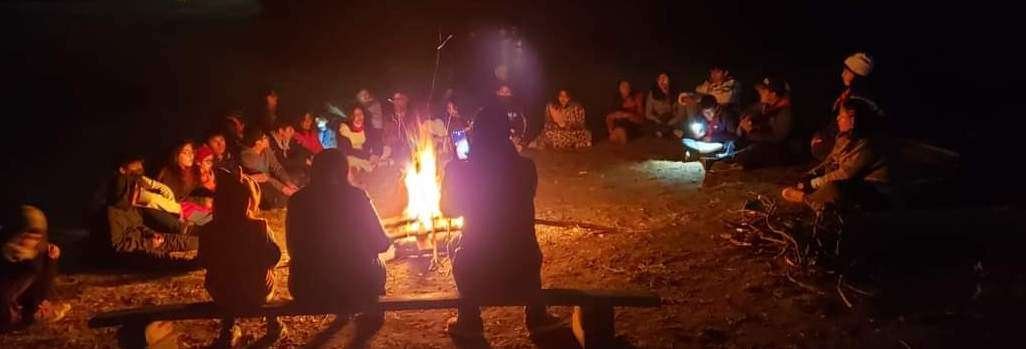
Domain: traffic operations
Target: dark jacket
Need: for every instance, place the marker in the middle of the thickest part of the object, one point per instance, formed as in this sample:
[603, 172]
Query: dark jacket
[334, 238]
[498, 250]
[770, 123]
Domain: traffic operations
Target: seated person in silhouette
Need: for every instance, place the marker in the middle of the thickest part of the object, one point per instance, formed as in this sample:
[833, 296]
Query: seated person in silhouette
[334, 237]
[498, 256]
[238, 253]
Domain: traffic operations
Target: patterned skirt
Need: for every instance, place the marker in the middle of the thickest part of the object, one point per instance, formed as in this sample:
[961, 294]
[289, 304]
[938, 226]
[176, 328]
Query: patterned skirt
[565, 138]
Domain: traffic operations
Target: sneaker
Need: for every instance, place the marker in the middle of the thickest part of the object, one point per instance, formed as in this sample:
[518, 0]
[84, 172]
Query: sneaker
[793, 195]
[464, 330]
[50, 312]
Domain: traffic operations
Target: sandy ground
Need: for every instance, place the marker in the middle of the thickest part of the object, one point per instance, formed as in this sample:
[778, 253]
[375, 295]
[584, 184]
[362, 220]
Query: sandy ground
[666, 216]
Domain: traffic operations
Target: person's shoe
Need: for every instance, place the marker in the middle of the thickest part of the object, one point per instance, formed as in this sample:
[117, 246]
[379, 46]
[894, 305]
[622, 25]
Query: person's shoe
[229, 338]
[368, 323]
[464, 329]
[794, 195]
[51, 312]
[545, 325]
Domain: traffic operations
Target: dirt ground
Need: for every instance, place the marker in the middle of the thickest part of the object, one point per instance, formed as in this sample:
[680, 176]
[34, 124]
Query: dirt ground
[666, 218]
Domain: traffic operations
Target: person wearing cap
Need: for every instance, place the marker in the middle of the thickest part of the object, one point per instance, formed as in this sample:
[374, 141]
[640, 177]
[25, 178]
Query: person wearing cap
[239, 254]
[722, 86]
[27, 269]
[498, 254]
[764, 130]
[855, 79]
[858, 170]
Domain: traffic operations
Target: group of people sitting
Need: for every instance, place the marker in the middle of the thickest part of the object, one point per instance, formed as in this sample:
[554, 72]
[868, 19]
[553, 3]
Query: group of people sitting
[333, 233]
[206, 198]
[855, 153]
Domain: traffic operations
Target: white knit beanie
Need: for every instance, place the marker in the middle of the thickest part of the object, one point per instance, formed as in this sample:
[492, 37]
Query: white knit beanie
[859, 63]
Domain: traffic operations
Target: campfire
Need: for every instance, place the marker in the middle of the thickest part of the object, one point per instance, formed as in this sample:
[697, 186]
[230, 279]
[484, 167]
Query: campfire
[422, 221]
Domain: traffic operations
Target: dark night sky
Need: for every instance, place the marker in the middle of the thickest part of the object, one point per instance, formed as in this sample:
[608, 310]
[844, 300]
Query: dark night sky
[83, 82]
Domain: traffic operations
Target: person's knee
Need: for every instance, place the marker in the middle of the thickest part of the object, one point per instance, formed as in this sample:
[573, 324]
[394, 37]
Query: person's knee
[830, 194]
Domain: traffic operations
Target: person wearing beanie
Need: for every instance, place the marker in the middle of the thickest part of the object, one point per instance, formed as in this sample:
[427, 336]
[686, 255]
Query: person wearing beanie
[855, 79]
[27, 269]
[498, 254]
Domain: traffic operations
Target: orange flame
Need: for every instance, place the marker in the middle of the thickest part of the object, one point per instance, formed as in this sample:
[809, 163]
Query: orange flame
[423, 189]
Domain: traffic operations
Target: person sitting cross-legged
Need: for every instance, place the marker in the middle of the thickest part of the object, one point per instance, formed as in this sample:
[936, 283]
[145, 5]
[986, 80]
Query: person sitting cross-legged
[711, 132]
[857, 172]
[259, 162]
[239, 254]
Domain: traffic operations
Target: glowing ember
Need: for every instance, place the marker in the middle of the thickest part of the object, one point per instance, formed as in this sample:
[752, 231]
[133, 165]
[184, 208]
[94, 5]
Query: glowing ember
[422, 179]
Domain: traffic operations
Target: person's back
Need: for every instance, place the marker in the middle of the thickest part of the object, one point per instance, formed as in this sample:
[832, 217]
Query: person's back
[333, 237]
[238, 253]
[498, 253]
[496, 200]
[239, 260]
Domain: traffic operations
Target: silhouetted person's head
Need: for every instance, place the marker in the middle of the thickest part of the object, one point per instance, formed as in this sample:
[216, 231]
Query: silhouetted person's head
[237, 196]
[330, 167]
[491, 134]
[131, 164]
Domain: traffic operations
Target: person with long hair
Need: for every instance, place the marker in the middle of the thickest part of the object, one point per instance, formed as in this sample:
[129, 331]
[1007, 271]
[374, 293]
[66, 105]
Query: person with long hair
[178, 173]
[239, 254]
[352, 136]
[565, 127]
[334, 236]
[306, 133]
[855, 80]
[857, 172]
[182, 176]
[498, 254]
[626, 119]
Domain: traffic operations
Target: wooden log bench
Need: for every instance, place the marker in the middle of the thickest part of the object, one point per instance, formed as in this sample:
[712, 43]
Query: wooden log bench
[593, 319]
